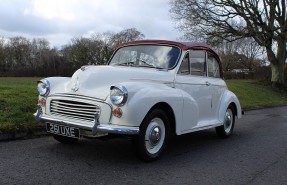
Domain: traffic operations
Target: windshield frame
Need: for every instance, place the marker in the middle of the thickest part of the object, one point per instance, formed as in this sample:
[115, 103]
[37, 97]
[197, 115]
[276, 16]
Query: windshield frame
[145, 44]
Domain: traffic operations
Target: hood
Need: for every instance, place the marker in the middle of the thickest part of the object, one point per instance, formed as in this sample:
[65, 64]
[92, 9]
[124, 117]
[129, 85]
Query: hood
[95, 81]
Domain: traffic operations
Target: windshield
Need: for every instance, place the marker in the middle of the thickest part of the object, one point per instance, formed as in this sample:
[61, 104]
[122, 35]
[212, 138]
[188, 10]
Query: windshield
[155, 56]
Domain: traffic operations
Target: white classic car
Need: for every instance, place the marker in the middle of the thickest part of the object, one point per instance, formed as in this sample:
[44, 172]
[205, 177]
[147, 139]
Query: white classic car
[149, 90]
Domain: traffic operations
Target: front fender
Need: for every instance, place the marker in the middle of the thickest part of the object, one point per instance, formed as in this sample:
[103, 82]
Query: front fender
[142, 97]
[57, 83]
[228, 98]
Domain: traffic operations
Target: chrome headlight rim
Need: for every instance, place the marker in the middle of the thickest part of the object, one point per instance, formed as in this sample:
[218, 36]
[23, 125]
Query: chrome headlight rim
[118, 95]
[43, 87]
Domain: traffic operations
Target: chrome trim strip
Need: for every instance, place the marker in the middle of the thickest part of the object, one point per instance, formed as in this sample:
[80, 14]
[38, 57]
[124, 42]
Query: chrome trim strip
[74, 117]
[118, 129]
[59, 107]
[77, 113]
[65, 105]
[104, 128]
[152, 80]
[77, 96]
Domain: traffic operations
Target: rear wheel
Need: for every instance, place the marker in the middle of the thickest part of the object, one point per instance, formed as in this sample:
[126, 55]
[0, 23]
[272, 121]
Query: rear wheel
[153, 136]
[226, 129]
[65, 140]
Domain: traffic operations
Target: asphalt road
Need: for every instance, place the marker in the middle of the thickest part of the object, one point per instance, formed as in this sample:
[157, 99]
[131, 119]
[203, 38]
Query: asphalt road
[255, 154]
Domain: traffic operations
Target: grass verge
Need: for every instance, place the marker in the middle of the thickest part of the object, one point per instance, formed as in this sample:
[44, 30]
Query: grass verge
[253, 95]
[18, 99]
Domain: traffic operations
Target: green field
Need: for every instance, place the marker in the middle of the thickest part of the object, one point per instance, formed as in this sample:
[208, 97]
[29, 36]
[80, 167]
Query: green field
[18, 99]
[253, 95]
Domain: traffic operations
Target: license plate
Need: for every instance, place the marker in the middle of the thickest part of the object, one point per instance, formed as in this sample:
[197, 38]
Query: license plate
[63, 130]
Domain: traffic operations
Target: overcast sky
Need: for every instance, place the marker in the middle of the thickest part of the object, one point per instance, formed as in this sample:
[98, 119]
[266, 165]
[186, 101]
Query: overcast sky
[60, 20]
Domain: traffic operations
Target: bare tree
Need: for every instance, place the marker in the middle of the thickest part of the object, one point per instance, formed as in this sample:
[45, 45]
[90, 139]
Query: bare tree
[240, 54]
[18, 52]
[98, 48]
[126, 36]
[40, 48]
[2, 55]
[106, 47]
[252, 51]
[84, 51]
[263, 20]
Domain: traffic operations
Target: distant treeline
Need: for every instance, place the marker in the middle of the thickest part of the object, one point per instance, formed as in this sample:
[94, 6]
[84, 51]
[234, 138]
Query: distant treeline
[20, 56]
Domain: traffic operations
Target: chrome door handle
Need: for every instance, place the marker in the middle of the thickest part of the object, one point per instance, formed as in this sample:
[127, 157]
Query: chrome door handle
[207, 83]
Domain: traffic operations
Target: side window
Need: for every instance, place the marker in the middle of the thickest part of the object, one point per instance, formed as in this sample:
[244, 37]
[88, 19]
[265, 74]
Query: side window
[197, 63]
[184, 67]
[213, 67]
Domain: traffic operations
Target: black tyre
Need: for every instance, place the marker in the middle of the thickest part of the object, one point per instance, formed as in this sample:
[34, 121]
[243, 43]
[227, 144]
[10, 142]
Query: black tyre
[153, 136]
[226, 129]
[65, 140]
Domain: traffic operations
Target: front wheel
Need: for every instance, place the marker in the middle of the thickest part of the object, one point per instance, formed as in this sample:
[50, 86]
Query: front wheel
[153, 136]
[226, 129]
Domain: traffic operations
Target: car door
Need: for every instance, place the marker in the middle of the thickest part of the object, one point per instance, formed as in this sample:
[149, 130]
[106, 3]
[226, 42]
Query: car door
[192, 79]
[217, 85]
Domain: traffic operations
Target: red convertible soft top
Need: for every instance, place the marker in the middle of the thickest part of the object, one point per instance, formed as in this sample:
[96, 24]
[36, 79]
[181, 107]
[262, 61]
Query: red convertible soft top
[182, 45]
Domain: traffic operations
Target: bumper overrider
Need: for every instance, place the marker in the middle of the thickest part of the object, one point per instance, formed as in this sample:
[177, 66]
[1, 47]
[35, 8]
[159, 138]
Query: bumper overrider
[97, 128]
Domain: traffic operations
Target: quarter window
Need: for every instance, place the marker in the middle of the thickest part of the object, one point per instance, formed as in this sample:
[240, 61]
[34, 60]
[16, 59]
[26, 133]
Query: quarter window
[213, 67]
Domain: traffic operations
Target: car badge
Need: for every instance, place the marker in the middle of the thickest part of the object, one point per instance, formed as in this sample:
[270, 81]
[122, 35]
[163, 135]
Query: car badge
[76, 85]
[83, 68]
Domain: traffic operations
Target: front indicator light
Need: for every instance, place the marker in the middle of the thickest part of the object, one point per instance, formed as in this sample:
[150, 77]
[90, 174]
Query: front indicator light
[117, 112]
[42, 102]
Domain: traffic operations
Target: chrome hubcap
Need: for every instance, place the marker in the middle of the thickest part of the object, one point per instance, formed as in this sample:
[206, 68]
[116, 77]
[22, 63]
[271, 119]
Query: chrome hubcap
[228, 120]
[154, 136]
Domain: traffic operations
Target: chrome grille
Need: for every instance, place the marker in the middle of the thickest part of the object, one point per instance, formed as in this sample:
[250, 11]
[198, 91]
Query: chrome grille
[74, 109]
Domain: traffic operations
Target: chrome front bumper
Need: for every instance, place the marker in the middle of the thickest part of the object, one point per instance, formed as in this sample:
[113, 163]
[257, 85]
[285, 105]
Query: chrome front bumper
[97, 128]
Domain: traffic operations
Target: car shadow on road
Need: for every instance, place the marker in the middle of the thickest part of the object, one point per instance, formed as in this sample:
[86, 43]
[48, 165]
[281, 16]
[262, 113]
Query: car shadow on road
[119, 150]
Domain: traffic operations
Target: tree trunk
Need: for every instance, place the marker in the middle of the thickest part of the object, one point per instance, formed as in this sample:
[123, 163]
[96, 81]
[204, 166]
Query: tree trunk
[278, 76]
[278, 65]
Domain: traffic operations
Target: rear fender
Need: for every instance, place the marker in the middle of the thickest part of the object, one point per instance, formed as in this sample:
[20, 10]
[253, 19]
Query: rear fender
[227, 99]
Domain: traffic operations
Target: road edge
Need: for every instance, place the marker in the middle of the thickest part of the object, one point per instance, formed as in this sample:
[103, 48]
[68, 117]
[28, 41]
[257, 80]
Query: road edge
[39, 132]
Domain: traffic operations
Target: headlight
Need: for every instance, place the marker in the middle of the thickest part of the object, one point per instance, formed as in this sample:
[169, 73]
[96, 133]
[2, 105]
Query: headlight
[119, 95]
[43, 87]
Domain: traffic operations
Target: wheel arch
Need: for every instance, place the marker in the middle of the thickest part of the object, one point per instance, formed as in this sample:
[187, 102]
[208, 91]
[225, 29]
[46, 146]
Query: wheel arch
[229, 98]
[169, 112]
[234, 108]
